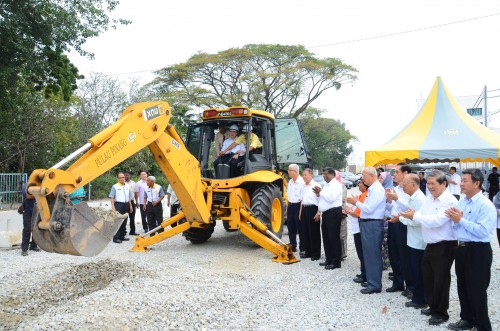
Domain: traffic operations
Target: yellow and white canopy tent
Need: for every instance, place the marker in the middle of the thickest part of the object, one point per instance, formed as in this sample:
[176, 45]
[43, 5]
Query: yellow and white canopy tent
[440, 132]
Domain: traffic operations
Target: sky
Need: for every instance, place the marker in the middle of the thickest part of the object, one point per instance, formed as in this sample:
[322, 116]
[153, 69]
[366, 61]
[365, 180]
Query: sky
[397, 68]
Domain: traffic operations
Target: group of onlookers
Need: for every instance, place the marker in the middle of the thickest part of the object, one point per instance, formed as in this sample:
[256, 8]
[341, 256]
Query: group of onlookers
[426, 234]
[315, 214]
[429, 228]
[146, 195]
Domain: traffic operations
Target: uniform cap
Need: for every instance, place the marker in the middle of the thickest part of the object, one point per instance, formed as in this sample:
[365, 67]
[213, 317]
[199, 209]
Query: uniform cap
[233, 127]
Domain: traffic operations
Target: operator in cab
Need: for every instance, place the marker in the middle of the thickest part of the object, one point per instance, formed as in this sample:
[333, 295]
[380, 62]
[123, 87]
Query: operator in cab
[231, 157]
[255, 145]
[242, 139]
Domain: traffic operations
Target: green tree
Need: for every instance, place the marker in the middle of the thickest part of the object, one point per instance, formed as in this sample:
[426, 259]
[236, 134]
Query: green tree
[328, 139]
[34, 37]
[283, 80]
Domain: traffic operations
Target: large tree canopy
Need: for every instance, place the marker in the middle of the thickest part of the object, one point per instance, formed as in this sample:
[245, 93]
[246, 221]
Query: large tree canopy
[283, 80]
[328, 139]
[34, 37]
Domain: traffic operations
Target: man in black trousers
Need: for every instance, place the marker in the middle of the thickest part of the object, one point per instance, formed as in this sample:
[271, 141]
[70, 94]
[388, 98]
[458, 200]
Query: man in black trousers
[330, 211]
[120, 202]
[152, 203]
[474, 221]
[28, 205]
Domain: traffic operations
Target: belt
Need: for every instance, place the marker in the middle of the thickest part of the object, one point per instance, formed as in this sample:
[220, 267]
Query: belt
[472, 243]
[371, 219]
[309, 206]
[294, 203]
[331, 209]
[123, 203]
[442, 242]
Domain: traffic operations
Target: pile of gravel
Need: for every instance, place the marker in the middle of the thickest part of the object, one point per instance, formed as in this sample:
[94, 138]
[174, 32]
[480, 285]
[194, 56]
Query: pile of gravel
[226, 283]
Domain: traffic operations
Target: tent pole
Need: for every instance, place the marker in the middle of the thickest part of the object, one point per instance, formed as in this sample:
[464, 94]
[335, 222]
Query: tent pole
[485, 108]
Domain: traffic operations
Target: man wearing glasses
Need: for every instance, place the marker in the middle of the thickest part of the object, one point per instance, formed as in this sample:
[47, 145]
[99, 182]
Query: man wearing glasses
[120, 202]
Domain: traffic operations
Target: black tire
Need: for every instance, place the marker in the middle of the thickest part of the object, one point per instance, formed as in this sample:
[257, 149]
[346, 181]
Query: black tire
[198, 235]
[268, 206]
[226, 227]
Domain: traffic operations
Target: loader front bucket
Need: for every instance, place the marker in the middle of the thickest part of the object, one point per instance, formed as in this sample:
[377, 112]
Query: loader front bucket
[74, 229]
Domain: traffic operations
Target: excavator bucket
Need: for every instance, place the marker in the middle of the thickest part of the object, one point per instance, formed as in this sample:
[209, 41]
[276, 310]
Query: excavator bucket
[75, 229]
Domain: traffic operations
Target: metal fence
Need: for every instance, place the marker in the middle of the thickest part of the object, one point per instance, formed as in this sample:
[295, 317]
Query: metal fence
[11, 186]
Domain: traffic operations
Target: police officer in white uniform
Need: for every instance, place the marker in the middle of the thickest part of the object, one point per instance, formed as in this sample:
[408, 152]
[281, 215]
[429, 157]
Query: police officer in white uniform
[120, 202]
[153, 196]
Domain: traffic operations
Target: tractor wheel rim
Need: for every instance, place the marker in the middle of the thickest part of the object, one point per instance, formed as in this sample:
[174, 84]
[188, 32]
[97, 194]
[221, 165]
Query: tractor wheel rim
[276, 215]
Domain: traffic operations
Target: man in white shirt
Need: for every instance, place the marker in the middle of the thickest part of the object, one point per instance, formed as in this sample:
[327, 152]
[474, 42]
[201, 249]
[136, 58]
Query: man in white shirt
[311, 232]
[152, 204]
[399, 252]
[438, 234]
[454, 183]
[120, 202]
[415, 242]
[372, 229]
[232, 155]
[172, 203]
[141, 187]
[294, 193]
[132, 186]
[330, 212]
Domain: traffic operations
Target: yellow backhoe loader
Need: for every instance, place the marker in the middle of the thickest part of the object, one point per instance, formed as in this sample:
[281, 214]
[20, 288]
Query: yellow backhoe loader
[253, 201]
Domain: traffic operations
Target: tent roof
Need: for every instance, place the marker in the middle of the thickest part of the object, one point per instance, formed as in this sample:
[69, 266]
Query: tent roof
[440, 132]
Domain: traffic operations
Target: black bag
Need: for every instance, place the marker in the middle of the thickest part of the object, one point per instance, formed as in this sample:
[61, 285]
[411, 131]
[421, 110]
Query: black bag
[20, 210]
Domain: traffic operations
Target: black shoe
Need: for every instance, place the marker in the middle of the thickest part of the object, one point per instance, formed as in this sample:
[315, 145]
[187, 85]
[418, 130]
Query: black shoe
[391, 273]
[391, 277]
[359, 280]
[117, 241]
[24, 253]
[436, 320]
[369, 291]
[426, 312]
[314, 258]
[394, 289]
[460, 325]
[411, 304]
[406, 293]
[125, 239]
[359, 275]
[133, 234]
[331, 267]
[365, 284]
[324, 264]
[35, 249]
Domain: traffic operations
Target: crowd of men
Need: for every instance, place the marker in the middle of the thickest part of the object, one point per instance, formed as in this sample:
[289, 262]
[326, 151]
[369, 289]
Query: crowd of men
[146, 195]
[429, 228]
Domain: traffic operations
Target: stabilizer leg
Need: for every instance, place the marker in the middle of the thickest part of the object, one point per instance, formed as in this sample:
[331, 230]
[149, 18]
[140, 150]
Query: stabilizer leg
[282, 251]
[142, 243]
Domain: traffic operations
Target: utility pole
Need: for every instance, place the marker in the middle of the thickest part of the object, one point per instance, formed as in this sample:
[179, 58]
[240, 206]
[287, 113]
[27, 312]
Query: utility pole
[485, 107]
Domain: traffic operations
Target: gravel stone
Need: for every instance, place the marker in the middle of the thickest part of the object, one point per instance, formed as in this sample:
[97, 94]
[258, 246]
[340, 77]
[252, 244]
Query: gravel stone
[226, 283]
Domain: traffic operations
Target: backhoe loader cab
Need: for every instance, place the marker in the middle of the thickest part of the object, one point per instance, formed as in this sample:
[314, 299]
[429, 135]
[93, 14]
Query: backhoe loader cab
[282, 140]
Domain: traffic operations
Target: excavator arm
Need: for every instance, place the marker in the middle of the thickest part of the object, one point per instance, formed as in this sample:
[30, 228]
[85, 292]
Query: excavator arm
[61, 227]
